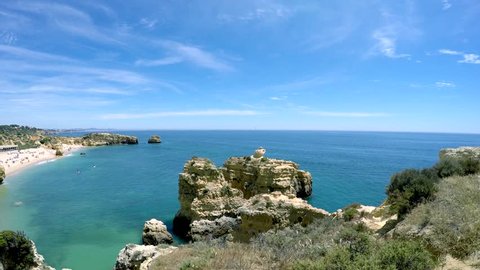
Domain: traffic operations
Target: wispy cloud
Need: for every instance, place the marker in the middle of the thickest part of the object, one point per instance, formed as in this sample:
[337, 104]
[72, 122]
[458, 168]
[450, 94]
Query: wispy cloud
[31, 54]
[443, 84]
[278, 98]
[346, 114]
[468, 58]
[66, 18]
[180, 52]
[159, 62]
[386, 44]
[264, 13]
[211, 112]
[449, 52]
[148, 23]
[446, 5]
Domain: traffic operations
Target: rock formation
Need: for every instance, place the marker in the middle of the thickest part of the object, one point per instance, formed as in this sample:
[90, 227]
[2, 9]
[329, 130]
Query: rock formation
[2, 174]
[39, 260]
[139, 257]
[97, 139]
[460, 152]
[247, 196]
[154, 139]
[155, 233]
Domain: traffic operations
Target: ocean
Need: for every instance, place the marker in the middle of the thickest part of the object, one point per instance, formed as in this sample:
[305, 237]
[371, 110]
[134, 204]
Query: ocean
[82, 209]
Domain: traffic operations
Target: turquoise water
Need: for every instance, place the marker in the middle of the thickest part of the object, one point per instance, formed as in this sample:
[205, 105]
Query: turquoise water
[81, 210]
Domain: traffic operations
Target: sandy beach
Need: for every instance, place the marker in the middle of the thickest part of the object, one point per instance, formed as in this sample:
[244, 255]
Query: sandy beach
[14, 161]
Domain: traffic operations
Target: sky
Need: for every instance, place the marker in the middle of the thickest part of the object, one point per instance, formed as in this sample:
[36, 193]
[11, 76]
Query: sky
[253, 64]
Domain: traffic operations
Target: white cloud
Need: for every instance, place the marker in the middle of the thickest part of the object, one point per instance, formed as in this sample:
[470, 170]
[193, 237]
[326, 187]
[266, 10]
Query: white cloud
[346, 114]
[446, 4]
[442, 84]
[449, 52]
[470, 58]
[386, 44]
[211, 112]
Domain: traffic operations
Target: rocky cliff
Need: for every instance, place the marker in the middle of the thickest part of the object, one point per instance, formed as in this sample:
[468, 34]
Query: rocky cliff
[247, 196]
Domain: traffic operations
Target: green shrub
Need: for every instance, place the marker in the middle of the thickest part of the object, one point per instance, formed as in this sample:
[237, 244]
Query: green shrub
[349, 214]
[409, 188]
[16, 252]
[404, 255]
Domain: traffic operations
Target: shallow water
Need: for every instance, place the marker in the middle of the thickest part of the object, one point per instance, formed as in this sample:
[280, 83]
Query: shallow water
[81, 210]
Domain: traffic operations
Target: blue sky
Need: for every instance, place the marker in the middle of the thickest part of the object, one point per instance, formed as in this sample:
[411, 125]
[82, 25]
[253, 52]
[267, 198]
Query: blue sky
[315, 65]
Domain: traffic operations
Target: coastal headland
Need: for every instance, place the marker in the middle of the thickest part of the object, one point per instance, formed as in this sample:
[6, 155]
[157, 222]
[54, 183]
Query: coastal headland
[30, 146]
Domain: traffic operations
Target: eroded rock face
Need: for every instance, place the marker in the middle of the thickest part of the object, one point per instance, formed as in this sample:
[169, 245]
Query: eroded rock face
[259, 176]
[139, 257]
[155, 233]
[97, 139]
[247, 196]
[154, 139]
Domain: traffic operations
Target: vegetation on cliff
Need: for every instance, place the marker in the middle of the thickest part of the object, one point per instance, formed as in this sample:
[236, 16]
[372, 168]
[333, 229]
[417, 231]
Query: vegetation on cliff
[16, 251]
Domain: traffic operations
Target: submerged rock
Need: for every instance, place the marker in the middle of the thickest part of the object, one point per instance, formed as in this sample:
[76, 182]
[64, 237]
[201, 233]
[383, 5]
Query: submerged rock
[155, 233]
[139, 257]
[245, 197]
[154, 139]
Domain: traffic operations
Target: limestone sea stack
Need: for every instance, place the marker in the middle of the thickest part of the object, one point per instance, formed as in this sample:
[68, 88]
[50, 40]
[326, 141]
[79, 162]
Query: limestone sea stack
[154, 139]
[97, 139]
[155, 233]
[247, 196]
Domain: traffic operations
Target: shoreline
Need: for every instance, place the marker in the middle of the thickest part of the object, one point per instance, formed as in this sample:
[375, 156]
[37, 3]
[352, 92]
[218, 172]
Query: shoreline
[17, 160]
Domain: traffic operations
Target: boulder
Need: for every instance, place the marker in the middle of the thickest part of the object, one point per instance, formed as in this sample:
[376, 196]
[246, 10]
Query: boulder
[460, 152]
[155, 233]
[2, 174]
[245, 197]
[205, 230]
[154, 139]
[139, 257]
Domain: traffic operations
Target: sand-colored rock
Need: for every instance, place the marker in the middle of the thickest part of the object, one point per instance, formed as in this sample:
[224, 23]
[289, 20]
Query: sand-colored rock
[259, 176]
[139, 257]
[154, 139]
[245, 197]
[155, 233]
